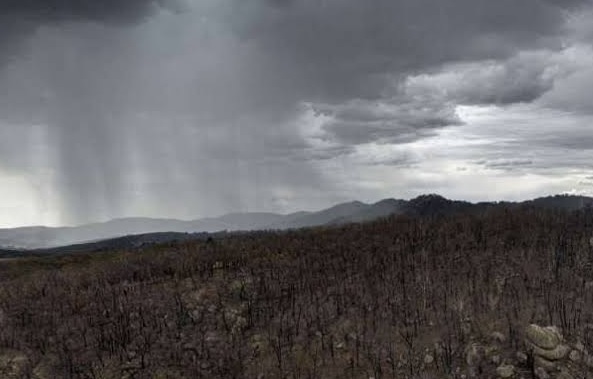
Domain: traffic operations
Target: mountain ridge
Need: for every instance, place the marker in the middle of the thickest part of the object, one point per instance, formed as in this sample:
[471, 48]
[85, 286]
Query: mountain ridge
[43, 237]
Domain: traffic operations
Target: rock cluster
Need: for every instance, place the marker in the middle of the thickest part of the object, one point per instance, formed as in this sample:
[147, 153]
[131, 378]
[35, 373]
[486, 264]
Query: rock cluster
[553, 357]
[546, 355]
[546, 345]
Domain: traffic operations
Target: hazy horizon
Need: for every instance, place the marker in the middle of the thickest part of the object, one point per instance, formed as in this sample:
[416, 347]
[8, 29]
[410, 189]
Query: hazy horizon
[309, 210]
[196, 108]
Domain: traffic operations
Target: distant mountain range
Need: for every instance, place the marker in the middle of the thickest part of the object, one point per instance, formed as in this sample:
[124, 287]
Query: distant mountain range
[162, 230]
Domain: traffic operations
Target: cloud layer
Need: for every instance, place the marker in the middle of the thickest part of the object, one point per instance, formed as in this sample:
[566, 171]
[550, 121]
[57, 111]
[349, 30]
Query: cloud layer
[199, 107]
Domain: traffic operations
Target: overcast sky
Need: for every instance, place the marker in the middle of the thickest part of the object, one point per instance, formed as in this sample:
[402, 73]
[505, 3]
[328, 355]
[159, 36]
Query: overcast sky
[193, 108]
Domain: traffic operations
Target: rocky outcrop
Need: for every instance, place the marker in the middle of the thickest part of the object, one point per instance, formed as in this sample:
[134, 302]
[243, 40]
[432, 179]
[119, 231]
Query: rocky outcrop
[555, 354]
[553, 357]
[545, 338]
[545, 354]
[546, 345]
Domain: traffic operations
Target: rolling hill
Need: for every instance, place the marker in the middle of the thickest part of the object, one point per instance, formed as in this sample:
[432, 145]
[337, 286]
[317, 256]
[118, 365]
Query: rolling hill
[39, 237]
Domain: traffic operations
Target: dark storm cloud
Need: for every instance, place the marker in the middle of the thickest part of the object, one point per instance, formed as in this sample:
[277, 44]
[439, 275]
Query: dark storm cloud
[520, 79]
[112, 80]
[325, 51]
[346, 52]
[58, 10]
[400, 120]
[346, 48]
[19, 19]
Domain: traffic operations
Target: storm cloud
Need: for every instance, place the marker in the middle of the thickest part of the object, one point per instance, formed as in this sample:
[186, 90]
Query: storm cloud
[196, 107]
[21, 17]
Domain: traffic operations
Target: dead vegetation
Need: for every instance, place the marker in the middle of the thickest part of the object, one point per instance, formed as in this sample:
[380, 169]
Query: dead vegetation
[445, 297]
